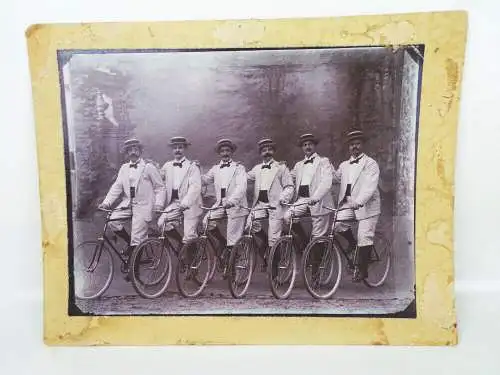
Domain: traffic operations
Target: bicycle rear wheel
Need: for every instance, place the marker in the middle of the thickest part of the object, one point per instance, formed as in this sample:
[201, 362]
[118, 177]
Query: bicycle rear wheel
[150, 268]
[193, 267]
[322, 267]
[92, 269]
[379, 262]
[282, 267]
[241, 265]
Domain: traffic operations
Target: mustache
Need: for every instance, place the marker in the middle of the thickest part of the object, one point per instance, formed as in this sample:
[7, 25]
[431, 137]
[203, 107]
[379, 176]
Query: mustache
[268, 154]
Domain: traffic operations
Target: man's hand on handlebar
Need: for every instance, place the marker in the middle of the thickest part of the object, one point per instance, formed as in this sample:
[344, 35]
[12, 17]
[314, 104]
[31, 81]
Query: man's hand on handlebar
[228, 205]
[353, 204]
[312, 201]
[103, 206]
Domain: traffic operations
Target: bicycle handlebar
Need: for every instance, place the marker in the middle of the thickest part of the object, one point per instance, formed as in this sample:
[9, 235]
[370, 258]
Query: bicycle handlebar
[112, 210]
[295, 204]
[258, 208]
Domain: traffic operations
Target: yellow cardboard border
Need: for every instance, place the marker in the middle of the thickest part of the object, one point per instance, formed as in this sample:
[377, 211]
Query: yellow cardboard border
[444, 35]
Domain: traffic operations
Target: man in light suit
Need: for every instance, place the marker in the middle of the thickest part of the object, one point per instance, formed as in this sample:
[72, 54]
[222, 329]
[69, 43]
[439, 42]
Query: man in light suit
[230, 182]
[359, 194]
[313, 180]
[273, 186]
[182, 179]
[142, 187]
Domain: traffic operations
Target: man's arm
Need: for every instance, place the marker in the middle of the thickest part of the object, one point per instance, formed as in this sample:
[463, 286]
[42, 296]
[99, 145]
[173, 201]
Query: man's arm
[240, 177]
[194, 187]
[370, 182]
[326, 178]
[208, 178]
[158, 186]
[251, 174]
[114, 191]
[287, 183]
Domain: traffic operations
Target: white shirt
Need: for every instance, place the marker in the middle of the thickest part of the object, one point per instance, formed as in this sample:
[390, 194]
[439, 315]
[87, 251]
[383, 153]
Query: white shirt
[353, 169]
[225, 174]
[179, 173]
[134, 172]
[266, 178]
[308, 169]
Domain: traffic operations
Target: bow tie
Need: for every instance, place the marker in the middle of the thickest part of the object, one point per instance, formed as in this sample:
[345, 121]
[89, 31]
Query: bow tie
[133, 165]
[224, 165]
[178, 164]
[266, 166]
[309, 161]
[356, 161]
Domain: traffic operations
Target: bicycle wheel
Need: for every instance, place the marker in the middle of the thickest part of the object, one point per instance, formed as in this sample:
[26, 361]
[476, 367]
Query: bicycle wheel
[92, 269]
[282, 267]
[150, 268]
[379, 262]
[322, 267]
[193, 267]
[241, 265]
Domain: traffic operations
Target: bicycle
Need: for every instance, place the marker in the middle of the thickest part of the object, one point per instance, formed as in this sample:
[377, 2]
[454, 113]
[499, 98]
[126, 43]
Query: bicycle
[246, 259]
[282, 260]
[101, 256]
[191, 261]
[152, 253]
[326, 266]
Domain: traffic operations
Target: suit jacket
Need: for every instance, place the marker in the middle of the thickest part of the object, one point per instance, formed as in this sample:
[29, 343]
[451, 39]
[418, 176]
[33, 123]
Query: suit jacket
[364, 189]
[189, 189]
[149, 190]
[281, 187]
[320, 186]
[235, 191]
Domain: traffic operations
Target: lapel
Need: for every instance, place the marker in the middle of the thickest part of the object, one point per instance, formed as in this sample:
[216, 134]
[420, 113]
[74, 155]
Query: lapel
[257, 177]
[274, 170]
[233, 167]
[125, 178]
[169, 177]
[185, 172]
[300, 168]
[358, 170]
[141, 168]
[315, 166]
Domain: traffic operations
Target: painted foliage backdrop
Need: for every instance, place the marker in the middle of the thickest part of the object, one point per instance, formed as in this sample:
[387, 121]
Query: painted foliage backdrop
[243, 95]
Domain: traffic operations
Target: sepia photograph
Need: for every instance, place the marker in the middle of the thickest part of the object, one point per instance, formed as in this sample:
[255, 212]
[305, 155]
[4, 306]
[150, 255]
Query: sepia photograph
[241, 182]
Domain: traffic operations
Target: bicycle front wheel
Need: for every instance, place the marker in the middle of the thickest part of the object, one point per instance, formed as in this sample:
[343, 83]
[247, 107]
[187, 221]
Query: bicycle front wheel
[150, 268]
[379, 262]
[241, 265]
[92, 269]
[322, 267]
[282, 268]
[193, 267]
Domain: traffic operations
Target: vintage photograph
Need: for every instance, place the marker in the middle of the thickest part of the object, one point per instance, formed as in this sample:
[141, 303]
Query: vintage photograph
[241, 181]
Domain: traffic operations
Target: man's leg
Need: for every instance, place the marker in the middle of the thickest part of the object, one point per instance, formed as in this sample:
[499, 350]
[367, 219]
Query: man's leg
[344, 225]
[190, 228]
[213, 229]
[116, 225]
[235, 227]
[297, 227]
[366, 235]
[170, 229]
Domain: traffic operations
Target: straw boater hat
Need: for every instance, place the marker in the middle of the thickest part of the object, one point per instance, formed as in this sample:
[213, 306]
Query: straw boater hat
[179, 141]
[132, 142]
[307, 137]
[355, 134]
[225, 142]
[265, 143]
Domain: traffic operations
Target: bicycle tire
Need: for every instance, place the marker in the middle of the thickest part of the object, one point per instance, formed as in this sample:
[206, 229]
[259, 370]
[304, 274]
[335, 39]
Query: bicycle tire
[96, 245]
[247, 244]
[334, 254]
[384, 248]
[271, 261]
[163, 278]
[183, 254]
